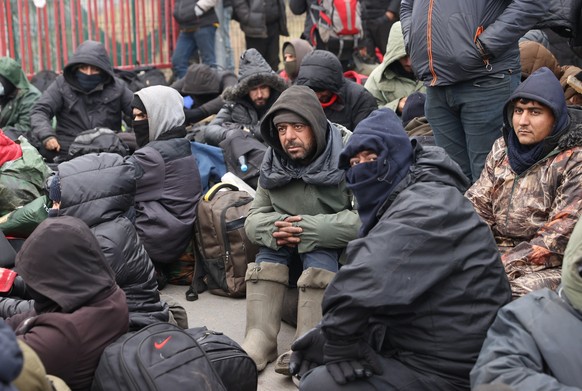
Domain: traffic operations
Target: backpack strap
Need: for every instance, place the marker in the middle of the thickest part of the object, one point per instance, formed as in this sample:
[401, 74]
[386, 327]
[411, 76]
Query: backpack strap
[219, 186]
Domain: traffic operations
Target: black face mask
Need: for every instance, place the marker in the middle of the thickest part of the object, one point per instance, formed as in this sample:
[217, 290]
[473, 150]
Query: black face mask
[89, 82]
[141, 129]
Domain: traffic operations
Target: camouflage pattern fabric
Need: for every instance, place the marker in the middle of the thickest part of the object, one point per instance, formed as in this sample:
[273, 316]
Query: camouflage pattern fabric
[532, 216]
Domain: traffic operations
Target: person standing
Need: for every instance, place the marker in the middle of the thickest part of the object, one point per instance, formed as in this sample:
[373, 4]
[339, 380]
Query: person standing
[466, 53]
[262, 22]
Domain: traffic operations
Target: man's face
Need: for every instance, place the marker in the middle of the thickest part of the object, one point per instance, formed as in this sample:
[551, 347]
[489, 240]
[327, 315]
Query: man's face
[365, 156]
[89, 69]
[324, 96]
[406, 63]
[288, 57]
[260, 95]
[139, 115]
[297, 140]
[532, 122]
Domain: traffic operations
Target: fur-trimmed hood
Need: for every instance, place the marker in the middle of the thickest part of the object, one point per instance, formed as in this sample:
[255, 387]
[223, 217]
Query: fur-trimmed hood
[253, 71]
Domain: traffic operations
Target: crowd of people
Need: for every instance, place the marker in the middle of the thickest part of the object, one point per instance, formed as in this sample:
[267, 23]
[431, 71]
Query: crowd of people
[419, 226]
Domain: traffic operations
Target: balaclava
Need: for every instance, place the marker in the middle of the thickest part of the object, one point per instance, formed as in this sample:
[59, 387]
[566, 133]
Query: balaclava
[141, 127]
[291, 67]
[373, 182]
[89, 82]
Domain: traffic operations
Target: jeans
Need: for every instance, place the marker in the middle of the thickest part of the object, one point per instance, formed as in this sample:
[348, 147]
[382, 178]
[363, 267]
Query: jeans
[223, 48]
[188, 43]
[466, 117]
[326, 259]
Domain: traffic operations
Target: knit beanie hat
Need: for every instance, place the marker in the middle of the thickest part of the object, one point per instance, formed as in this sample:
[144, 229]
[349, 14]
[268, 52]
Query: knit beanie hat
[572, 268]
[288, 116]
[413, 108]
[55, 189]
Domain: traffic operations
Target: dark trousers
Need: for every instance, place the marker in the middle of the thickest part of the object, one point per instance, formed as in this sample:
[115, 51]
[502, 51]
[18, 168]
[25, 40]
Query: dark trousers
[268, 47]
[376, 33]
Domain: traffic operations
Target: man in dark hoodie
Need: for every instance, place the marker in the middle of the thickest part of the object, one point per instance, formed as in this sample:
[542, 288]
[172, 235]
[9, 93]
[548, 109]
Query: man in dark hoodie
[247, 102]
[529, 192]
[79, 309]
[17, 96]
[168, 181]
[344, 101]
[301, 208]
[203, 86]
[87, 95]
[422, 284]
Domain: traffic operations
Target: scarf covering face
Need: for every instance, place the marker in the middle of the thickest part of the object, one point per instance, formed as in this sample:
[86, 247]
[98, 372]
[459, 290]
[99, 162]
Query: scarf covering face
[541, 86]
[373, 182]
[89, 82]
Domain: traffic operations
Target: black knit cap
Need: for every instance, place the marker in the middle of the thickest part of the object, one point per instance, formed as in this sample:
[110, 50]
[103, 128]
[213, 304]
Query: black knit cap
[138, 104]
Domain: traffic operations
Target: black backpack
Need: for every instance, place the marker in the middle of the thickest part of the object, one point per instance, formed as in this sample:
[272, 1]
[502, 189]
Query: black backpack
[97, 140]
[235, 367]
[141, 77]
[160, 356]
[240, 144]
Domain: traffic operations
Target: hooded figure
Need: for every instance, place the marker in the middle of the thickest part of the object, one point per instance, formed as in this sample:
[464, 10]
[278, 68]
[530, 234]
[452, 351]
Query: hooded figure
[308, 193]
[239, 109]
[298, 48]
[425, 312]
[10, 357]
[204, 86]
[168, 181]
[544, 176]
[107, 193]
[79, 101]
[79, 309]
[389, 82]
[534, 343]
[17, 96]
[349, 102]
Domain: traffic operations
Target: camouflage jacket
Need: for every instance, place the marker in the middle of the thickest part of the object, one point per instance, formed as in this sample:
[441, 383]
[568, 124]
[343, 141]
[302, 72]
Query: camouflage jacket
[532, 215]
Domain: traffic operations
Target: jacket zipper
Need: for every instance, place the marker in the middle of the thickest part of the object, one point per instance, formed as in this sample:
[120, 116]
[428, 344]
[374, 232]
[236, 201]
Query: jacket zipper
[429, 43]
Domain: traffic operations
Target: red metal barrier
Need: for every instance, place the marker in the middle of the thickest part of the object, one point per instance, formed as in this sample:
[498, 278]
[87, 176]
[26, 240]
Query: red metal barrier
[135, 32]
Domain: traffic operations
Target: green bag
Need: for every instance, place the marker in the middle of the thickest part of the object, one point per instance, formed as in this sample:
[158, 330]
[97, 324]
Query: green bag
[21, 222]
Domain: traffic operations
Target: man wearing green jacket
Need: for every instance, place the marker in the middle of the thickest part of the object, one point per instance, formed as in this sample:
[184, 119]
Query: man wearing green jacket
[302, 209]
[17, 96]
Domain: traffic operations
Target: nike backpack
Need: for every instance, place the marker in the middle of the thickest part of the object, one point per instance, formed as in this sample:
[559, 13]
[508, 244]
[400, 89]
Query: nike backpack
[160, 356]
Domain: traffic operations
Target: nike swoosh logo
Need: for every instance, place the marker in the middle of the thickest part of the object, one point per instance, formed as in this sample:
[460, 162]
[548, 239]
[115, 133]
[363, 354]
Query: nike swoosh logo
[159, 345]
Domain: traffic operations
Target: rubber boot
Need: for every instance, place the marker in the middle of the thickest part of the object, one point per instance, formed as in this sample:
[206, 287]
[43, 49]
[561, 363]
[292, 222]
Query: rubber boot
[311, 286]
[266, 284]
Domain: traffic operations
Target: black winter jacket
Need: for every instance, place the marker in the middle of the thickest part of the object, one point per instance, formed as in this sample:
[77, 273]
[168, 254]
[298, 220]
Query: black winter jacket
[427, 278]
[77, 110]
[321, 70]
[99, 189]
[255, 15]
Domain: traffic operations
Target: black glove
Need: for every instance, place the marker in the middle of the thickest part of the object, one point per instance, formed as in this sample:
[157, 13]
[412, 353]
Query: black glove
[19, 289]
[307, 352]
[195, 115]
[348, 360]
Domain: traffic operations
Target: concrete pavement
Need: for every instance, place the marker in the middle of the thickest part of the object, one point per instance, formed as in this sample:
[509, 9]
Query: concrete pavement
[229, 316]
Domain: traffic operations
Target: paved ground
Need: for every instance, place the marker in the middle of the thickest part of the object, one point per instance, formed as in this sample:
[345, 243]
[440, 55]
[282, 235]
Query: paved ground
[228, 316]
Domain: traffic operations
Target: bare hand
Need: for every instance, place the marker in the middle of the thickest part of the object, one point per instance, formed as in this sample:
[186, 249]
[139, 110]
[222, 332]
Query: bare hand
[391, 16]
[401, 104]
[288, 233]
[51, 144]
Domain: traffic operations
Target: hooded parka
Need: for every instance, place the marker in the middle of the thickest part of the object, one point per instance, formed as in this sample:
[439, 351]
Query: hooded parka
[425, 282]
[387, 86]
[77, 110]
[253, 71]
[15, 114]
[315, 191]
[108, 190]
[532, 214]
[168, 180]
[321, 70]
[79, 309]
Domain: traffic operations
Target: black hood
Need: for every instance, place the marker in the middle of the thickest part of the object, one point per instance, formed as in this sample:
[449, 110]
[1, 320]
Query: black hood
[253, 71]
[91, 53]
[63, 261]
[201, 79]
[321, 70]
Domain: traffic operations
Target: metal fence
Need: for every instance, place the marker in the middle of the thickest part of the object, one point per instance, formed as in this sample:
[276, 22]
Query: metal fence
[135, 32]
